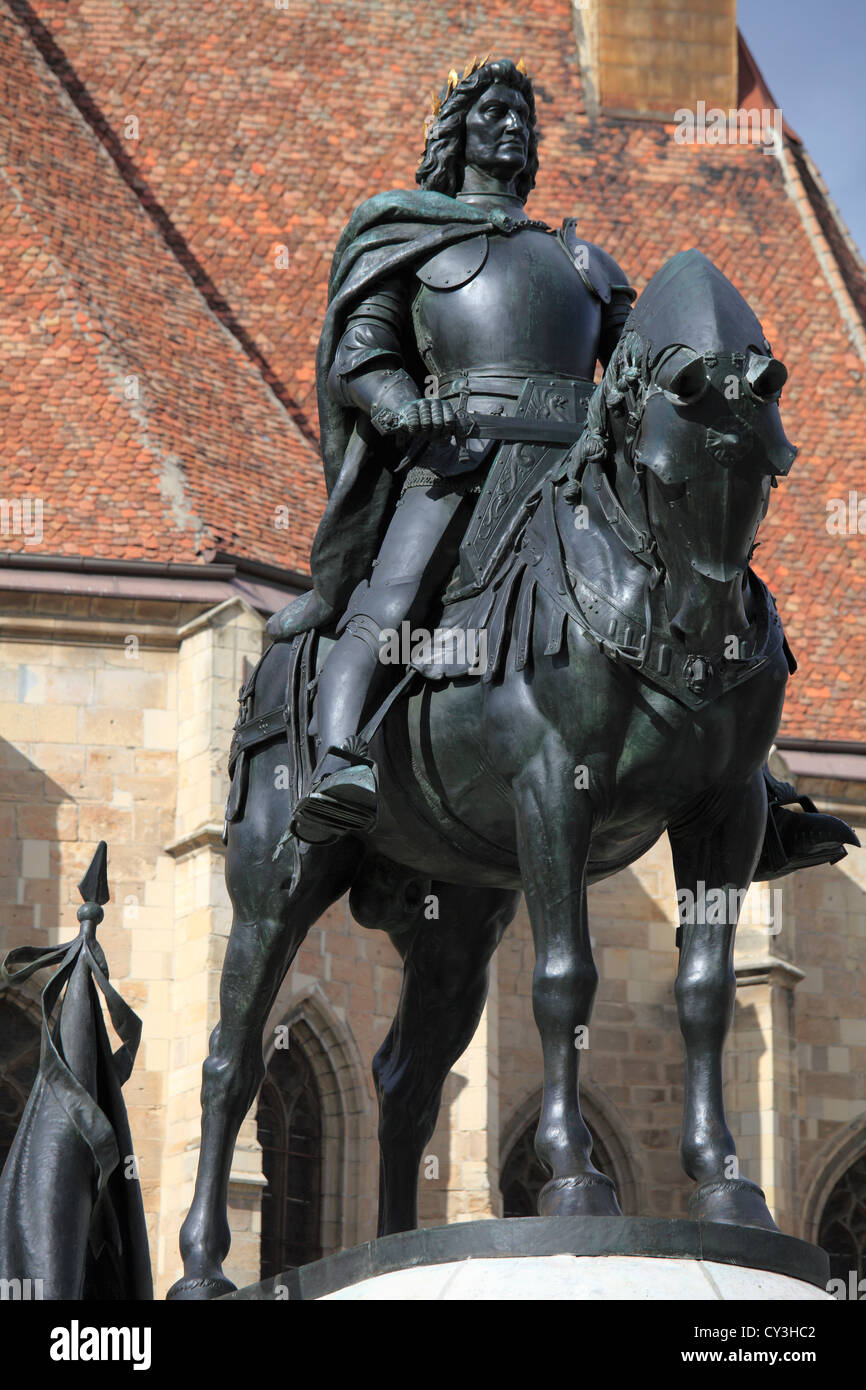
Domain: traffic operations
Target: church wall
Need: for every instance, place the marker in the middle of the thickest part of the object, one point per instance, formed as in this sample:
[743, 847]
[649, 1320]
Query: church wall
[830, 1006]
[658, 56]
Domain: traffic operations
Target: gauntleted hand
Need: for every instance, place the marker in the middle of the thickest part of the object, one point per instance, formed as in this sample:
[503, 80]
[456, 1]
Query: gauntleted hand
[426, 418]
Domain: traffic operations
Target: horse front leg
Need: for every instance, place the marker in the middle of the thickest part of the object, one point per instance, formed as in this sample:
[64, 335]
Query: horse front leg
[713, 869]
[554, 827]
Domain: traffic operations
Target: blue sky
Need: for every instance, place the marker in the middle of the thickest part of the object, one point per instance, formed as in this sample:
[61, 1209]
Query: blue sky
[813, 57]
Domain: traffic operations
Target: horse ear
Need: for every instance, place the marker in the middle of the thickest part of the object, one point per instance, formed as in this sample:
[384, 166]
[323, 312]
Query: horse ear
[766, 377]
[684, 376]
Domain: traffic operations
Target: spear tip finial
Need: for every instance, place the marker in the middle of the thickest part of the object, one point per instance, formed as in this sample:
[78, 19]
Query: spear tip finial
[94, 886]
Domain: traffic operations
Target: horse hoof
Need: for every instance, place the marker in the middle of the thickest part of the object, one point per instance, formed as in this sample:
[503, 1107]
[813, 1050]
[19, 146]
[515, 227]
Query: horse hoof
[734, 1201]
[585, 1194]
[199, 1288]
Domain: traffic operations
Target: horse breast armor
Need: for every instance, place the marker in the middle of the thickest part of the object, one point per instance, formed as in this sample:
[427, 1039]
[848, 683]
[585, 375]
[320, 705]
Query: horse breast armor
[514, 304]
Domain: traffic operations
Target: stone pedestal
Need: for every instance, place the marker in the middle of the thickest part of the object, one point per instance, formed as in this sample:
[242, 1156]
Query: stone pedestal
[563, 1259]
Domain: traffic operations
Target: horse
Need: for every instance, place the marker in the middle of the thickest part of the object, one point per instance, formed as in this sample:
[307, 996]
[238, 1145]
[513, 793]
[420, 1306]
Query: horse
[635, 679]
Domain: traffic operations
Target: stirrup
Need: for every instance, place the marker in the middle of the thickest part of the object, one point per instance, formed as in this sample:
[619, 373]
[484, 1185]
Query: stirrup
[801, 840]
[343, 802]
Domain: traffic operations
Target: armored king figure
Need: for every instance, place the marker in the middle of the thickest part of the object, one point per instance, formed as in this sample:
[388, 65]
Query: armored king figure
[442, 301]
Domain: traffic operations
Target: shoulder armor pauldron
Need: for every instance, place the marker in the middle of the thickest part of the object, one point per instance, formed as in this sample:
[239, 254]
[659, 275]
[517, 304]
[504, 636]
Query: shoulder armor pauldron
[455, 265]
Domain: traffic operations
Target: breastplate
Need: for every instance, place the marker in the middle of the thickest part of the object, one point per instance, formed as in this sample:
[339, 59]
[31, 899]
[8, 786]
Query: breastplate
[525, 309]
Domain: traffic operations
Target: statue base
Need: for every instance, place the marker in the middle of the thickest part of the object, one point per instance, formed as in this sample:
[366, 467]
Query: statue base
[561, 1259]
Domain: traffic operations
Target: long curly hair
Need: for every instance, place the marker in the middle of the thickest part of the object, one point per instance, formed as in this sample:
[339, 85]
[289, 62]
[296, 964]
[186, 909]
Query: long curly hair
[442, 164]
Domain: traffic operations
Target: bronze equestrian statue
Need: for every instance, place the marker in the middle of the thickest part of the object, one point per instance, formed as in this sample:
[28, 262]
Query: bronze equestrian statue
[634, 665]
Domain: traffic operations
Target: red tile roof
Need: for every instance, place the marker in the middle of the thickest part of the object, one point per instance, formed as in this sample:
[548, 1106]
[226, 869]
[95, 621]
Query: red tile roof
[128, 408]
[260, 127]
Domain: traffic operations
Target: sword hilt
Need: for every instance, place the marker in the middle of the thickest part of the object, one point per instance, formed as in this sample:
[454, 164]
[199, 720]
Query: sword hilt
[387, 423]
[464, 425]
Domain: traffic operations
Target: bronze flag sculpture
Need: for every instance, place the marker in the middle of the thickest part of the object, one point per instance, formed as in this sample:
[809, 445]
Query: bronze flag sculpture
[71, 1215]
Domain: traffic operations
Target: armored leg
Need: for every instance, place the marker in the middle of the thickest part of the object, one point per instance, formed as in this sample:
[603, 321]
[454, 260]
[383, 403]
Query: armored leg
[416, 558]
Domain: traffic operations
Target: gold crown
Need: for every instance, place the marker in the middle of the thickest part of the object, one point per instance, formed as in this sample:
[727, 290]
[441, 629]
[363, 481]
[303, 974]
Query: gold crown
[438, 99]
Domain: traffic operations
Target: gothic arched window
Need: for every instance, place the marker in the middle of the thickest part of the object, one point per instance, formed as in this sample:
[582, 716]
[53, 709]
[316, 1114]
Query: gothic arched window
[843, 1224]
[290, 1133]
[19, 1060]
[524, 1175]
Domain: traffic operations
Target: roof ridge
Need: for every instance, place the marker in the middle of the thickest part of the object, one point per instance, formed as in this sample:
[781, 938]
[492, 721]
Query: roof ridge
[56, 60]
[844, 252]
[748, 70]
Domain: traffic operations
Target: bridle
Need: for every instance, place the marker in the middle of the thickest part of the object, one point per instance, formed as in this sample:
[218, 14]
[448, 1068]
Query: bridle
[634, 390]
[638, 539]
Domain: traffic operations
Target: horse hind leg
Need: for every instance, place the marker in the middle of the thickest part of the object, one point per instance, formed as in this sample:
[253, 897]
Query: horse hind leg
[270, 922]
[445, 982]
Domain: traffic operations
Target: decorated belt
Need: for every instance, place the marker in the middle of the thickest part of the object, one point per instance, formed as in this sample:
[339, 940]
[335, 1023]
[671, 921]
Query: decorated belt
[497, 383]
[520, 426]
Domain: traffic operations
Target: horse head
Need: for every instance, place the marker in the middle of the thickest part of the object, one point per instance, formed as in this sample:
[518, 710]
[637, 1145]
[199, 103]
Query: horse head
[686, 428]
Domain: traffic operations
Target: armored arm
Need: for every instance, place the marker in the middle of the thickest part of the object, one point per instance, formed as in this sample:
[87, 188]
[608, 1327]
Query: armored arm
[613, 320]
[607, 281]
[616, 295]
[613, 317]
[369, 371]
